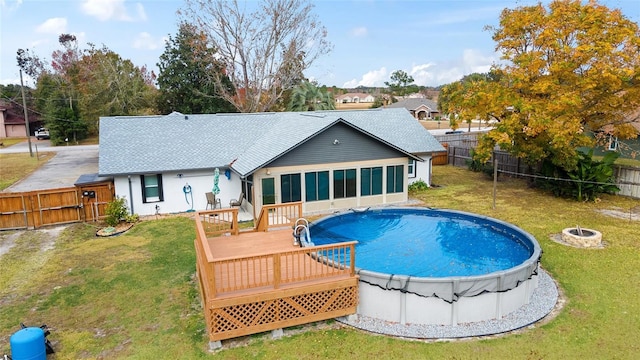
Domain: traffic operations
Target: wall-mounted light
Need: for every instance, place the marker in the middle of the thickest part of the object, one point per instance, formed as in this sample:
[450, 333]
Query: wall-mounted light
[336, 142]
[268, 172]
[180, 176]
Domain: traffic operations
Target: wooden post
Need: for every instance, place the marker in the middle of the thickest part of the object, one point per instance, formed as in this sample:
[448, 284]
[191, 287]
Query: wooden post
[352, 259]
[276, 271]
[495, 180]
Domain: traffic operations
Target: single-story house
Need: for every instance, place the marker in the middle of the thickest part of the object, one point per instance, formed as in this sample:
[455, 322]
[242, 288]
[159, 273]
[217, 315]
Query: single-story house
[326, 159]
[420, 108]
[12, 122]
[355, 98]
[628, 148]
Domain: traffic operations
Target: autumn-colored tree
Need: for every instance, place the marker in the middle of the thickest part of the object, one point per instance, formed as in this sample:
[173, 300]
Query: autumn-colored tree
[568, 69]
[79, 86]
[467, 99]
[110, 85]
[263, 52]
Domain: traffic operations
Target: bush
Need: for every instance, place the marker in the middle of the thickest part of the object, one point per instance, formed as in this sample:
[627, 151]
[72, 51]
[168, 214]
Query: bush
[419, 185]
[589, 179]
[132, 218]
[476, 165]
[117, 211]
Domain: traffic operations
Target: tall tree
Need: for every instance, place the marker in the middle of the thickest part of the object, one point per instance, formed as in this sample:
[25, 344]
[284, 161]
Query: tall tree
[264, 52]
[401, 84]
[462, 100]
[185, 67]
[82, 85]
[309, 97]
[111, 85]
[568, 69]
[61, 113]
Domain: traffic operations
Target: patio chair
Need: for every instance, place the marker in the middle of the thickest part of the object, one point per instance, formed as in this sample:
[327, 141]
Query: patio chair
[212, 201]
[238, 201]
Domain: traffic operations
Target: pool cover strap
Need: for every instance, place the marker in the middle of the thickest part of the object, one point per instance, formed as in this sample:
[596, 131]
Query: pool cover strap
[453, 288]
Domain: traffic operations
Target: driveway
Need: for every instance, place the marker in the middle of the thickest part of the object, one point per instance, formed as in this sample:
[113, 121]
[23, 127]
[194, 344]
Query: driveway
[63, 170]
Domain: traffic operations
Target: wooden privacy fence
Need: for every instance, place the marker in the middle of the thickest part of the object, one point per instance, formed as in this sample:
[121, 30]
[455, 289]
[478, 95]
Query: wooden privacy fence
[461, 156]
[627, 178]
[34, 209]
[440, 158]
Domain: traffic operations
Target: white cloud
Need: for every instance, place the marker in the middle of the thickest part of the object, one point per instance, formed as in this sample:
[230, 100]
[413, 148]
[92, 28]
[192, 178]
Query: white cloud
[145, 41]
[359, 32]
[372, 78]
[107, 9]
[53, 26]
[475, 62]
[142, 15]
[422, 73]
[445, 72]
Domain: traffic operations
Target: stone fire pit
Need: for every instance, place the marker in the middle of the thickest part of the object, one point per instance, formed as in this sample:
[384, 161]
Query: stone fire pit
[580, 237]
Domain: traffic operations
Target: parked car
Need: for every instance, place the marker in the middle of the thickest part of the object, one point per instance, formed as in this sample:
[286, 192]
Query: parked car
[42, 133]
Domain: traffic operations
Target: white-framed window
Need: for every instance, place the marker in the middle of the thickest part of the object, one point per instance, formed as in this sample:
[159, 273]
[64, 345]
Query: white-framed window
[613, 143]
[151, 188]
[411, 168]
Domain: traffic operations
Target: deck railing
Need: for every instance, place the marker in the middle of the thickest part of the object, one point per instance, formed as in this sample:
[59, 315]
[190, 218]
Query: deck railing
[218, 222]
[279, 269]
[278, 215]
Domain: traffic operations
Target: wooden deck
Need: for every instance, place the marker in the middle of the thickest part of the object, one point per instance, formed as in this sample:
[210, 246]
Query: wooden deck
[259, 281]
[251, 243]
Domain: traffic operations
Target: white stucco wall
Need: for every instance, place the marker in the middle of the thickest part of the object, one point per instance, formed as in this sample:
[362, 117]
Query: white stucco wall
[174, 197]
[423, 170]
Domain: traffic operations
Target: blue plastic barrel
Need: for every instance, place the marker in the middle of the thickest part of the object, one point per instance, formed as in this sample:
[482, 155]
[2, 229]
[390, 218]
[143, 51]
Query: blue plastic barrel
[28, 344]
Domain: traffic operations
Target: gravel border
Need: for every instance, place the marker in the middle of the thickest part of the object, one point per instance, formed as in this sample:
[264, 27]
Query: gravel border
[543, 301]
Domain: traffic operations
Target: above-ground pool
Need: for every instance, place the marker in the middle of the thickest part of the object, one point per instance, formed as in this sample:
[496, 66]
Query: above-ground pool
[432, 266]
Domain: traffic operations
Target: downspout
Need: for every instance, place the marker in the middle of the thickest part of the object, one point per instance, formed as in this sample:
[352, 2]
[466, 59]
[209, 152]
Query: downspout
[430, 170]
[130, 195]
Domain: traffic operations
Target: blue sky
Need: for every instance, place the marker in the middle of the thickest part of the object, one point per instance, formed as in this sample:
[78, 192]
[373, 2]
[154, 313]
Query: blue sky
[436, 42]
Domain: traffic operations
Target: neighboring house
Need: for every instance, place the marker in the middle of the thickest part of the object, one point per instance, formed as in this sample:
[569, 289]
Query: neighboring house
[628, 148]
[421, 109]
[12, 121]
[326, 159]
[355, 98]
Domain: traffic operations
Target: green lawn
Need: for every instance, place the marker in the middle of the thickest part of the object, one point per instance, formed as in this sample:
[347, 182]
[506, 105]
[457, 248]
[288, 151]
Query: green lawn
[16, 166]
[133, 296]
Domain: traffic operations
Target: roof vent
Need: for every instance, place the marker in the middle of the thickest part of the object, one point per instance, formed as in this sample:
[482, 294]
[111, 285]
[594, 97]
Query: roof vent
[186, 117]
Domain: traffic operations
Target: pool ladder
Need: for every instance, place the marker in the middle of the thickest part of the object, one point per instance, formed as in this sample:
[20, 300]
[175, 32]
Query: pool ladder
[301, 233]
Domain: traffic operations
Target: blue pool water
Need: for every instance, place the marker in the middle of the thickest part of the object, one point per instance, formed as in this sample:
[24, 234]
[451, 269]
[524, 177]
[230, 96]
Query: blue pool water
[425, 242]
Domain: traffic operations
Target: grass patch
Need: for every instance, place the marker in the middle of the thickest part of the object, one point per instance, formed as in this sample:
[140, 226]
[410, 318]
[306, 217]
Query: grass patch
[12, 141]
[133, 295]
[14, 167]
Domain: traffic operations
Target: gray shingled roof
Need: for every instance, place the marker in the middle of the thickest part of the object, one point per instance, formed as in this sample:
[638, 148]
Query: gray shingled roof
[414, 103]
[246, 142]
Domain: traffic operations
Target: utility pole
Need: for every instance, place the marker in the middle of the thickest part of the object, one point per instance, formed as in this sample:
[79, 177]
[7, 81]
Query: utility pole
[26, 116]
